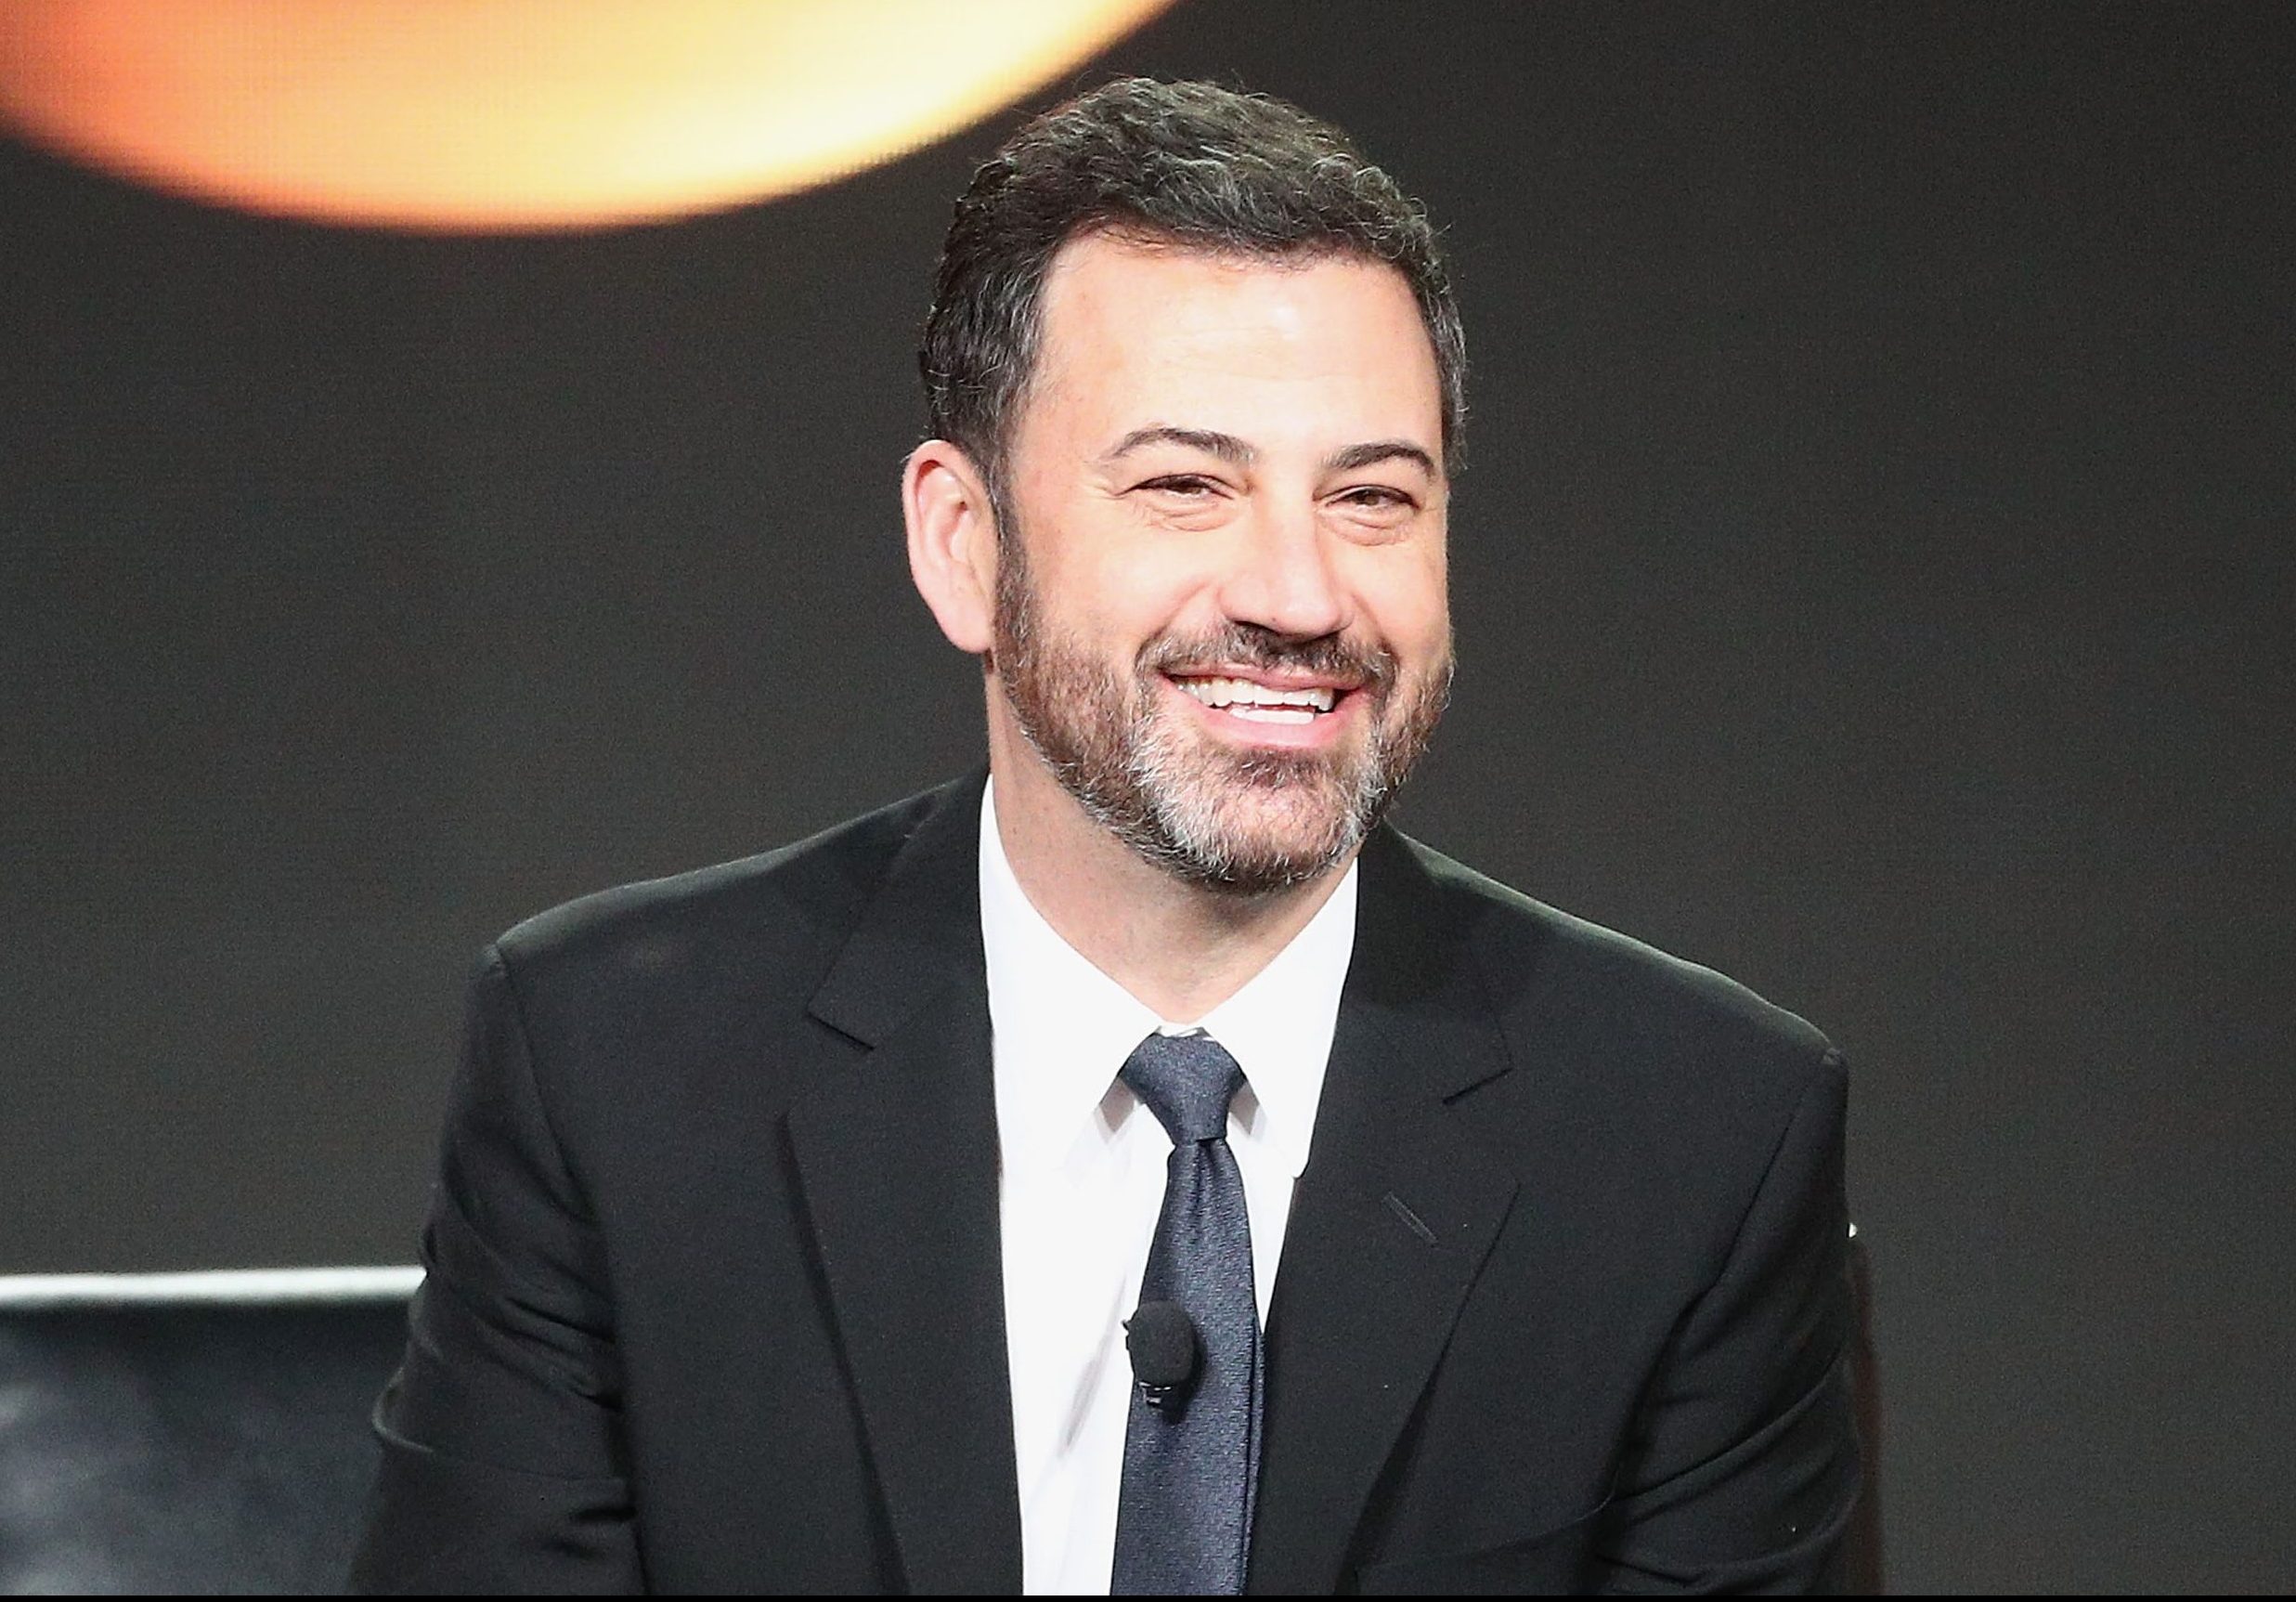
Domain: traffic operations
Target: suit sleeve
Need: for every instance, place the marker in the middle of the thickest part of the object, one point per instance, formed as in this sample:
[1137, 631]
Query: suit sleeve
[502, 1459]
[1743, 1471]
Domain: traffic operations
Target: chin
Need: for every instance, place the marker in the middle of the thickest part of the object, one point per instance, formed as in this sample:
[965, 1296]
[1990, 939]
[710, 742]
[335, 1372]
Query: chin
[1248, 840]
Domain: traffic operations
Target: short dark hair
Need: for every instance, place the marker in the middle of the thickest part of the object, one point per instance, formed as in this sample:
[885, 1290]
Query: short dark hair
[1193, 163]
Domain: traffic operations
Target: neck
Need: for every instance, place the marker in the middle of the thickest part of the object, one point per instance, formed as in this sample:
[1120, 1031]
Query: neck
[1180, 950]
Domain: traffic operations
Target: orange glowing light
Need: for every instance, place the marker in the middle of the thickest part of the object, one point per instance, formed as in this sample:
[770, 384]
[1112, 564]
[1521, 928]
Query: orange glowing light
[510, 114]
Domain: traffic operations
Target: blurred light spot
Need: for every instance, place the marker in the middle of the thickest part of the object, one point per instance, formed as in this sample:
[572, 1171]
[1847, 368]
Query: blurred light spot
[507, 114]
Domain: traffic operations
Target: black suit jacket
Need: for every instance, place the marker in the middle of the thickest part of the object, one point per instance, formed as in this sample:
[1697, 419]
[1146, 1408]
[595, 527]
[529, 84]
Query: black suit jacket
[714, 1298]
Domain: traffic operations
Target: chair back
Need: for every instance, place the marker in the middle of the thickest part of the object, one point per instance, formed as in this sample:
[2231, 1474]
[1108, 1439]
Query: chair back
[1862, 1552]
[190, 1432]
[209, 1432]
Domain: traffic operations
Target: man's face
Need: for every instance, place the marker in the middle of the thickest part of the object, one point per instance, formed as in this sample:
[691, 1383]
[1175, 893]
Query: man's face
[1221, 616]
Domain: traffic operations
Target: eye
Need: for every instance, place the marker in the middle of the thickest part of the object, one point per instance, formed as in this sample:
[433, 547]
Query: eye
[1189, 485]
[1383, 501]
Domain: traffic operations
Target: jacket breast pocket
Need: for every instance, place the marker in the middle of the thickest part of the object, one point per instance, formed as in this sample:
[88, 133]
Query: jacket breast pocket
[1553, 1562]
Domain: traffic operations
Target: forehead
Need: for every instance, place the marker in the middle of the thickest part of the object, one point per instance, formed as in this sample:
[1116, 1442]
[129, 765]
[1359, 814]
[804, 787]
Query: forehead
[1134, 331]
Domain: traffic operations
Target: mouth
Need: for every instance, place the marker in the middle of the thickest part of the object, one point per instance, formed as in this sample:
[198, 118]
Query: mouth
[1265, 700]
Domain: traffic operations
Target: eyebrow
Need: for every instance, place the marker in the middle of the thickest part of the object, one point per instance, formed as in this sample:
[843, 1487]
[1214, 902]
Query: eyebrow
[1379, 450]
[1227, 447]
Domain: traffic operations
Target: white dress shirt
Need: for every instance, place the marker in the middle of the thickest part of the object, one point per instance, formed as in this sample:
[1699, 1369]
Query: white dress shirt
[1081, 1179]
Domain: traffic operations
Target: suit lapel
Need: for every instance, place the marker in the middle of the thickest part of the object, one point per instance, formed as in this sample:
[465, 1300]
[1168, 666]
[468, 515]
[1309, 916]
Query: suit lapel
[1391, 1223]
[896, 1152]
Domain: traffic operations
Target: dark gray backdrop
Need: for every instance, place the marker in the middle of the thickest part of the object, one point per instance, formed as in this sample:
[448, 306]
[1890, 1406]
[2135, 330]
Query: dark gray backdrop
[1872, 576]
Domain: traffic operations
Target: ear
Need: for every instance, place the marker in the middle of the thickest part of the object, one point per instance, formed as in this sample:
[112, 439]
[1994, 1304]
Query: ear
[952, 542]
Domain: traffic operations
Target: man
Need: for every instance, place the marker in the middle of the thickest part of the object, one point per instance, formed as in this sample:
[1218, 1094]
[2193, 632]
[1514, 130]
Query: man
[793, 1213]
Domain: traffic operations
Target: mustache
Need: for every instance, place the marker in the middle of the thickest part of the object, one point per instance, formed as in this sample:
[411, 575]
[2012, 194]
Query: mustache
[1249, 645]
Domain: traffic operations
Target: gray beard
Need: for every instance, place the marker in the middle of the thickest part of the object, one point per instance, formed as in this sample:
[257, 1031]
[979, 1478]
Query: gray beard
[1173, 798]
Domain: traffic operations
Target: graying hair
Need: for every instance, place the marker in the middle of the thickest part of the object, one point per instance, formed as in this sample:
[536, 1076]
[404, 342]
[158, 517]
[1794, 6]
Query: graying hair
[1201, 166]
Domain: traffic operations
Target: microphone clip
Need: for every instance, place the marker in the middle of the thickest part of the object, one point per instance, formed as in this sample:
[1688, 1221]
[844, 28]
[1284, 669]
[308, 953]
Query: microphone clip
[1161, 1341]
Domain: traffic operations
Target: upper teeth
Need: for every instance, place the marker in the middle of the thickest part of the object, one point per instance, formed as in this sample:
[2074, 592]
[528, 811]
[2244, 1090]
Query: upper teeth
[1227, 692]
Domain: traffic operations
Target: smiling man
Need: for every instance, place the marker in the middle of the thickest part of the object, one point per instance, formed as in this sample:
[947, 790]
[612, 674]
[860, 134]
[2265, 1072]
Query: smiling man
[1138, 1167]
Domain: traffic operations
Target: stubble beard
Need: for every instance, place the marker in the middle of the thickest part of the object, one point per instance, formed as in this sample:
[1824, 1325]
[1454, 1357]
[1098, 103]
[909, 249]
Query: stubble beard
[1246, 823]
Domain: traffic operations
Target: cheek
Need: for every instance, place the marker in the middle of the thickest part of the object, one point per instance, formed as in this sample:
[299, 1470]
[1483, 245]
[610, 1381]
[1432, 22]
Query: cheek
[1111, 592]
[1407, 606]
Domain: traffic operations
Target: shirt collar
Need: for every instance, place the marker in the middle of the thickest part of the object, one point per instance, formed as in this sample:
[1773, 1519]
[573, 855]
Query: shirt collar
[1278, 1026]
[1063, 1028]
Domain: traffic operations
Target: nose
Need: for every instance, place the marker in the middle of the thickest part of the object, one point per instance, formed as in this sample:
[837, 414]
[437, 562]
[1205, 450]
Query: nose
[1284, 579]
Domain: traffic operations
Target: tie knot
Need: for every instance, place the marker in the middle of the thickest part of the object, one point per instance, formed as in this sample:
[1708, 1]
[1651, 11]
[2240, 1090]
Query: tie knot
[1187, 1081]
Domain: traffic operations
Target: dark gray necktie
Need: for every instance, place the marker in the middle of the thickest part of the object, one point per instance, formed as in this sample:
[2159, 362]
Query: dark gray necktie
[1191, 1465]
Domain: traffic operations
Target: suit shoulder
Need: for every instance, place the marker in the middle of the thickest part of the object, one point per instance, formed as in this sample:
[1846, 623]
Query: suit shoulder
[800, 893]
[1616, 993]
